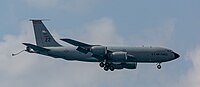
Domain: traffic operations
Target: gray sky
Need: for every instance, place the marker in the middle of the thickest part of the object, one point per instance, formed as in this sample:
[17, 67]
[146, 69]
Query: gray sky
[173, 24]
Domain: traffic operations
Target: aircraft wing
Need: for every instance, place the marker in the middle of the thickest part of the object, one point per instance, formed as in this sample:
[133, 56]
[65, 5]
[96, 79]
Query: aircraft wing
[36, 48]
[76, 43]
[85, 48]
[82, 47]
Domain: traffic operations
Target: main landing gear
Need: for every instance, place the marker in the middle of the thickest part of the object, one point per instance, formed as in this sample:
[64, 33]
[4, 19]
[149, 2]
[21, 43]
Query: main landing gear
[106, 66]
[158, 66]
[101, 64]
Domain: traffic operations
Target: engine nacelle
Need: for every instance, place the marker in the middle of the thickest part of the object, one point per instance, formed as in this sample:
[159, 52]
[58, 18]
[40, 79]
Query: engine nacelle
[118, 66]
[119, 56]
[99, 50]
[130, 65]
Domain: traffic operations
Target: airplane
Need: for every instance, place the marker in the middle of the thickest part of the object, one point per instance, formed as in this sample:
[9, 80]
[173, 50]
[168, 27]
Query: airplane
[108, 57]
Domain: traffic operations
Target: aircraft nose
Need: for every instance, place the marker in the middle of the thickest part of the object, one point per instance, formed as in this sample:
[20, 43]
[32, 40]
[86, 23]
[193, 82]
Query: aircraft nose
[176, 55]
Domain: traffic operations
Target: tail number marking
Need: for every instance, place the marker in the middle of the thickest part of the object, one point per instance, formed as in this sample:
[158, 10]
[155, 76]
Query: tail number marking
[47, 39]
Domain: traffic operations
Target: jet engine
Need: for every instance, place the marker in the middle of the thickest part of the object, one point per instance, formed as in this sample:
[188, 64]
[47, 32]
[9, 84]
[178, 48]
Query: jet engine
[129, 65]
[99, 50]
[119, 56]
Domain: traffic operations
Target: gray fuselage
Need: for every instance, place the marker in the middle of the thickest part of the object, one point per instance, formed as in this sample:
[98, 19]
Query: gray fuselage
[141, 54]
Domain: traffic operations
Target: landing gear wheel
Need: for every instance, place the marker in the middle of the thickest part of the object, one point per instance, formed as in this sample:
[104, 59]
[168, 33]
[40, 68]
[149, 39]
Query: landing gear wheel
[159, 66]
[107, 64]
[112, 68]
[101, 64]
[106, 68]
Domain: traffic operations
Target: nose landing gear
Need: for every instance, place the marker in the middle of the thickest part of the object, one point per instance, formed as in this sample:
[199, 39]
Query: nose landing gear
[158, 66]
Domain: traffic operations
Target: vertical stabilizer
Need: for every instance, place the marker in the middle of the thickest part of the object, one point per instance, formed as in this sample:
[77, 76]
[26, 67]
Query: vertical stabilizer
[42, 35]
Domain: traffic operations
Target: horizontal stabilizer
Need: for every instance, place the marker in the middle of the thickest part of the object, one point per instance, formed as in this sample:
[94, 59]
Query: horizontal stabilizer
[34, 47]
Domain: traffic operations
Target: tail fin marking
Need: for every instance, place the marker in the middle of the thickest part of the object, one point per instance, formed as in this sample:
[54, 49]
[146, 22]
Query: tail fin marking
[42, 35]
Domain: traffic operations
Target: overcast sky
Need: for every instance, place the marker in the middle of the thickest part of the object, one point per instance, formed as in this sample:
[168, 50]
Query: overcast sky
[173, 24]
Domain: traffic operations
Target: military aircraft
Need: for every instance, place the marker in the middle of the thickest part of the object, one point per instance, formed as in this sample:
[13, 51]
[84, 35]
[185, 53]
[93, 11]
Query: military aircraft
[108, 57]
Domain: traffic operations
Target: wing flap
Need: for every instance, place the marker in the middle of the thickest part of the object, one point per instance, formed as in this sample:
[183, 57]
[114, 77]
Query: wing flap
[82, 47]
[83, 50]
